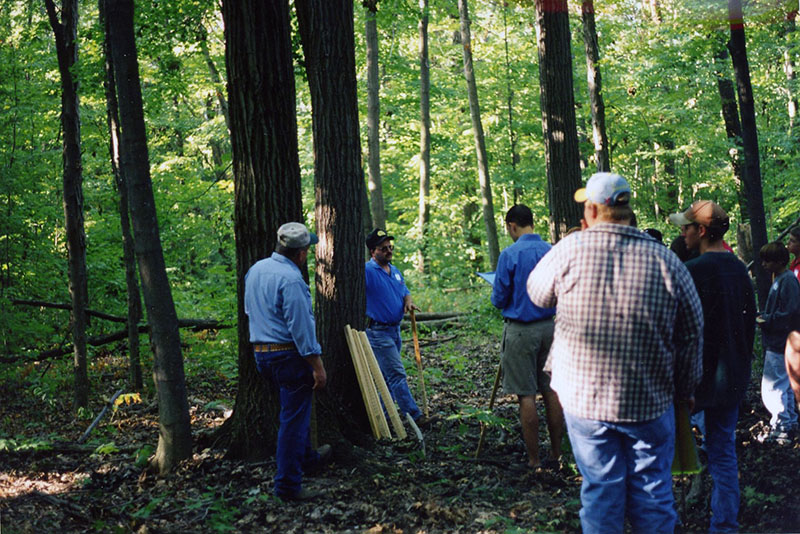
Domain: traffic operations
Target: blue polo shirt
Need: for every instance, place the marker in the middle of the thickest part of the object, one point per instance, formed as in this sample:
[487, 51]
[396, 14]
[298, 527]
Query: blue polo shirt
[385, 293]
[277, 302]
[509, 292]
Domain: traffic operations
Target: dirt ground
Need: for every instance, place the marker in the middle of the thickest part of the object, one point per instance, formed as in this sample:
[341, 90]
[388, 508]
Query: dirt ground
[388, 487]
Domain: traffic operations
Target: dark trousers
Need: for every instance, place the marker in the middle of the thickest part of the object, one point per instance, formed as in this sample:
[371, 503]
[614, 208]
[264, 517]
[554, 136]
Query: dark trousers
[293, 376]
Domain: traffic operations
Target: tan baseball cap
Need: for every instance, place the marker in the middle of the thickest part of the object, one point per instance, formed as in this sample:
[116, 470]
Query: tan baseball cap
[705, 212]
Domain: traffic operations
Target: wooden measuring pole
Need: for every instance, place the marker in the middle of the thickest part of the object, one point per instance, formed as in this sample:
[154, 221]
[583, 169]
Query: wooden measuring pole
[375, 369]
[364, 380]
[491, 405]
[419, 364]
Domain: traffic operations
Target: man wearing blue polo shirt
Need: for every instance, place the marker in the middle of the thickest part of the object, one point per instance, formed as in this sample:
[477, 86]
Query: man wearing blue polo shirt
[388, 299]
[278, 305]
[527, 336]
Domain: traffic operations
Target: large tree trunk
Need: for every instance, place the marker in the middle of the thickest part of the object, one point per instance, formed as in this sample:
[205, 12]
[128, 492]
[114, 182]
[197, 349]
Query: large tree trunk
[128, 254]
[266, 169]
[374, 117]
[480, 140]
[424, 135]
[175, 436]
[752, 166]
[558, 116]
[595, 87]
[66, 36]
[326, 30]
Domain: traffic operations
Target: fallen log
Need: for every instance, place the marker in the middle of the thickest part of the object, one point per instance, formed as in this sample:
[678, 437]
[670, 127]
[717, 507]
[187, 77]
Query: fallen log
[198, 324]
[97, 341]
[61, 306]
[421, 317]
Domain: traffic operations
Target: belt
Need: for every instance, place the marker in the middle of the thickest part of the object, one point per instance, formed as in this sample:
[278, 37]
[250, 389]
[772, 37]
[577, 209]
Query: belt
[372, 322]
[510, 320]
[273, 347]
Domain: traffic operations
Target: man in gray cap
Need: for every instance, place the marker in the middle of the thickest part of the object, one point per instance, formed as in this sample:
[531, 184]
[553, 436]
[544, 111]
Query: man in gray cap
[626, 347]
[277, 301]
[729, 308]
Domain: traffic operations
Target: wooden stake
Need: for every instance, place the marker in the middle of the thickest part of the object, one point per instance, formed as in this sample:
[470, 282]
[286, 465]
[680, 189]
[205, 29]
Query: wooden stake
[419, 364]
[362, 380]
[491, 405]
[377, 409]
[375, 369]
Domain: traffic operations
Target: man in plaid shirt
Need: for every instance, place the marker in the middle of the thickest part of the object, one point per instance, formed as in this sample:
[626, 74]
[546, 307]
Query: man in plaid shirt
[627, 346]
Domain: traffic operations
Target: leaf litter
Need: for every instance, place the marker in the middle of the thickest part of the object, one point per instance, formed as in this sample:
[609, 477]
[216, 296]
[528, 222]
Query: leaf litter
[386, 488]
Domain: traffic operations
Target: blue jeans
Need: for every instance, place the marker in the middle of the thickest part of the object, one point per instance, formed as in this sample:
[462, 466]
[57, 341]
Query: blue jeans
[385, 343]
[776, 393]
[626, 468]
[721, 450]
[293, 376]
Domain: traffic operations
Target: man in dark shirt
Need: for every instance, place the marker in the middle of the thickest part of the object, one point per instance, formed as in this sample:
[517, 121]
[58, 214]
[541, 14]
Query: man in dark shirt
[729, 308]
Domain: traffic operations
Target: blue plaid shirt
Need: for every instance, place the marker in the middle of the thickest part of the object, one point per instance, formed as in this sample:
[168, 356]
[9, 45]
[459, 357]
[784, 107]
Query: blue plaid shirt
[629, 323]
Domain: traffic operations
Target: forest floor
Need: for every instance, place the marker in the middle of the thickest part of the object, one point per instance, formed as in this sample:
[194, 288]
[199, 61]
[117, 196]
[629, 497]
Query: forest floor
[49, 484]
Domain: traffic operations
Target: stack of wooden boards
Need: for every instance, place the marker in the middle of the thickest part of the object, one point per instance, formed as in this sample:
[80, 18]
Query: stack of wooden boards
[372, 384]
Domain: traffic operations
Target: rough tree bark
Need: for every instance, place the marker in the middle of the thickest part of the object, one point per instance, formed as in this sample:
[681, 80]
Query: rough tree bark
[424, 135]
[558, 116]
[128, 254]
[266, 169]
[598, 107]
[326, 30]
[175, 436]
[752, 165]
[374, 116]
[480, 140]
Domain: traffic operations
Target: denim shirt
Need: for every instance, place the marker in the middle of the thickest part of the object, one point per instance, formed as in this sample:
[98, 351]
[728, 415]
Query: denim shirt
[278, 303]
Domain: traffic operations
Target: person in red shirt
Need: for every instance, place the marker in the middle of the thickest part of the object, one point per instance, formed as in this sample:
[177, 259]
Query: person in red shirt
[793, 246]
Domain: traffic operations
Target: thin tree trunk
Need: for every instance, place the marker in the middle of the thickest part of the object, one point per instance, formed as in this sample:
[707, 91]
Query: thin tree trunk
[175, 436]
[424, 135]
[752, 165]
[128, 254]
[595, 87]
[213, 73]
[512, 135]
[374, 117]
[266, 169]
[789, 69]
[480, 141]
[733, 128]
[326, 30]
[66, 36]
[558, 116]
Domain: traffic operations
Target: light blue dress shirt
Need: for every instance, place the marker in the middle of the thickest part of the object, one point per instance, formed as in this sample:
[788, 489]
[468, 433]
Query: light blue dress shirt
[278, 304]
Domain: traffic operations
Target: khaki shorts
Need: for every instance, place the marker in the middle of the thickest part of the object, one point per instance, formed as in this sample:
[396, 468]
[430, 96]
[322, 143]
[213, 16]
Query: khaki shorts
[523, 354]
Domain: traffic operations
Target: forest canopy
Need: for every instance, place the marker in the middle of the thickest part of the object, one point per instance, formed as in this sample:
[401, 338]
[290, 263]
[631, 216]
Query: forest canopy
[661, 63]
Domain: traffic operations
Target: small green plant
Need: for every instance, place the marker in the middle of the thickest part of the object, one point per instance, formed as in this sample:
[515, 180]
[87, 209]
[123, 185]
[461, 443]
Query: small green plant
[755, 498]
[142, 456]
[106, 449]
[24, 444]
[147, 510]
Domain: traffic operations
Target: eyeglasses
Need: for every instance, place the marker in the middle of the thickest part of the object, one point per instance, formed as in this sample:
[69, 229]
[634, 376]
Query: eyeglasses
[386, 248]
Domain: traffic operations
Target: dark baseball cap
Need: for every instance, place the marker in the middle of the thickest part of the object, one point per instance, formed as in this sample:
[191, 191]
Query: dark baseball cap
[376, 237]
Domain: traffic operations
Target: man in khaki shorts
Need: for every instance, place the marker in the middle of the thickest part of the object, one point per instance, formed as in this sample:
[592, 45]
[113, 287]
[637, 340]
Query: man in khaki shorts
[527, 336]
